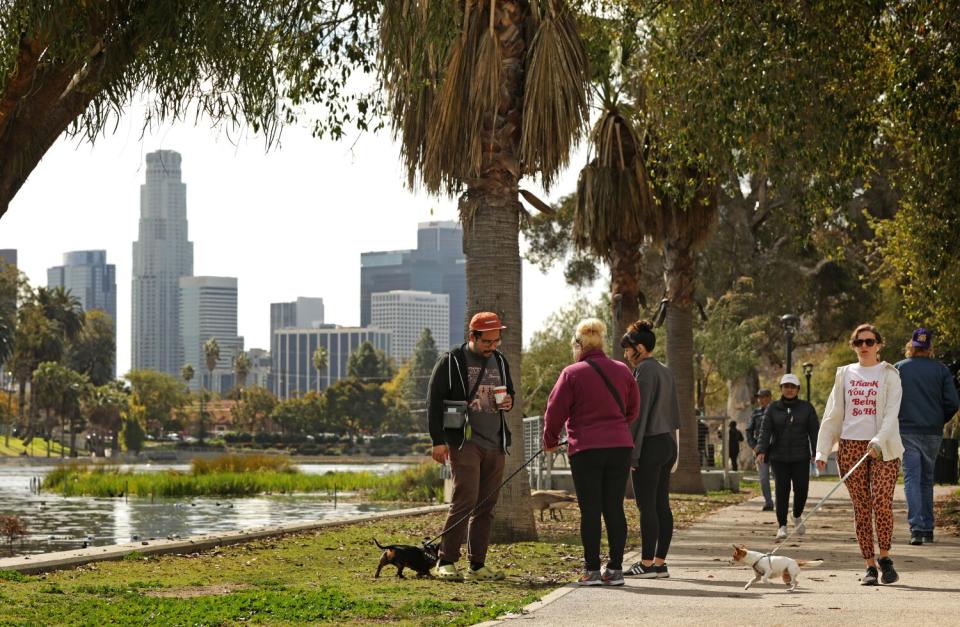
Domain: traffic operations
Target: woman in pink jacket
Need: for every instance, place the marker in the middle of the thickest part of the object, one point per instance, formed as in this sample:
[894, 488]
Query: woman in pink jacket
[596, 398]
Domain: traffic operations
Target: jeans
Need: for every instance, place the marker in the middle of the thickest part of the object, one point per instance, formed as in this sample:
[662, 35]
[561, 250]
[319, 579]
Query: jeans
[600, 478]
[764, 469]
[785, 474]
[651, 488]
[919, 457]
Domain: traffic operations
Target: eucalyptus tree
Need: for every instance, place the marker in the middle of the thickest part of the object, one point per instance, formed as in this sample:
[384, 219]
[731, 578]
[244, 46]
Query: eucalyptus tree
[480, 95]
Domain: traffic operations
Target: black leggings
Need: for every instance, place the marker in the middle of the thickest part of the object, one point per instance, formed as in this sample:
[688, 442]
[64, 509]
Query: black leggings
[783, 474]
[600, 477]
[651, 487]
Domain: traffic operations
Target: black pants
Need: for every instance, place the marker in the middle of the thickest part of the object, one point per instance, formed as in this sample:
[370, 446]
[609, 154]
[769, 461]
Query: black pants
[600, 477]
[651, 488]
[785, 473]
[734, 455]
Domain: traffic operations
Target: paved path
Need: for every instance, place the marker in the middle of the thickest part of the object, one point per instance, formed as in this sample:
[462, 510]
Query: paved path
[705, 588]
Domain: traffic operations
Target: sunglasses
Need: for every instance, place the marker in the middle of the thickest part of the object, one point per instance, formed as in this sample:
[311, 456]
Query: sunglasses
[868, 341]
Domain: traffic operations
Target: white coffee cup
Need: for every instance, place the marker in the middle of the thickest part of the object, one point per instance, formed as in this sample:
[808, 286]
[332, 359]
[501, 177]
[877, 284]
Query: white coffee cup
[500, 394]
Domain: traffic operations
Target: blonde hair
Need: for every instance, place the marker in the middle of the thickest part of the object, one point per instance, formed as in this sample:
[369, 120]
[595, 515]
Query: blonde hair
[910, 350]
[590, 333]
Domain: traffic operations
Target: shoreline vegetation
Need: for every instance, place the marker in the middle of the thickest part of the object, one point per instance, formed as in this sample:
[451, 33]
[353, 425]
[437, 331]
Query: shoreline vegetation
[323, 577]
[242, 475]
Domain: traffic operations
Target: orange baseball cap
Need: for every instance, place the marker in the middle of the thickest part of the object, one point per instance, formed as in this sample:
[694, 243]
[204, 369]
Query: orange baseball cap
[485, 321]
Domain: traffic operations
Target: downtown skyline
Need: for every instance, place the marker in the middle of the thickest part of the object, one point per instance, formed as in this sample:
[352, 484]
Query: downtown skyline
[286, 223]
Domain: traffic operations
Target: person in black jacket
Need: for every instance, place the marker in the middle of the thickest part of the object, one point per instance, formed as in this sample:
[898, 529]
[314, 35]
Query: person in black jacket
[734, 438]
[469, 392]
[788, 441]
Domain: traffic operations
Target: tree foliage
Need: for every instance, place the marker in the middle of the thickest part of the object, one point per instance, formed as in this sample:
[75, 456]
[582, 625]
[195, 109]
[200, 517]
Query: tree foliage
[161, 394]
[94, 351]
[75, 67]
[370, 365]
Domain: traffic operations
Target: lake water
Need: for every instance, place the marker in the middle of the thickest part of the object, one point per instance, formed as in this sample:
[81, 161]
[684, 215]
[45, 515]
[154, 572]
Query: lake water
[57, 523]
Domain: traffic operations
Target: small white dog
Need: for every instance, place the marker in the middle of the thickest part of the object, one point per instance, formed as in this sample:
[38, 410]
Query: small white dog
[765, 566]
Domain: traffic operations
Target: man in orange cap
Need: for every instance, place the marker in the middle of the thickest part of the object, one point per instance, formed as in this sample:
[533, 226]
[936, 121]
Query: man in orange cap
[470, 391]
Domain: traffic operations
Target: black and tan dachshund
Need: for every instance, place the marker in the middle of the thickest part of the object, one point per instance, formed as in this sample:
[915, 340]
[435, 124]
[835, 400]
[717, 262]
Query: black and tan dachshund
[419, 558]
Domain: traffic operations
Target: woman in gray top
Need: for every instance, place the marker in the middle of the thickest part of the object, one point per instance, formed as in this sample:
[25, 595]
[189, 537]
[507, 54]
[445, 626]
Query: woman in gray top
[656, 438]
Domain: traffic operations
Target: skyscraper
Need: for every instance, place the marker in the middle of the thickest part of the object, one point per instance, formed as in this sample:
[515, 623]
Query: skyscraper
[208, 310]
[406, 314]
[303, 313]
[161, 255]
[88, 277]
[437, 265]
[9, 256]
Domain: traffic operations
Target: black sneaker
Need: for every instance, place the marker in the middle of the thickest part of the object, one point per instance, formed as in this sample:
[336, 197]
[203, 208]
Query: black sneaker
[870, 577]
[886, 567]
[916, 539]
[640, 571]
[662, 572]
[767, 508]
[928, 537]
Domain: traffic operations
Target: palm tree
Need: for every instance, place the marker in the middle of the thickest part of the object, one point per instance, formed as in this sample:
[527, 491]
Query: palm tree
[211, 354]
[319, 362]
[615, 211]
[481, 94]
[186, 373]
[241, 368]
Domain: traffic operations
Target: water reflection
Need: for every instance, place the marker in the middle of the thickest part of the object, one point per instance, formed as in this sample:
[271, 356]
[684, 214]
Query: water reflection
[57, 523]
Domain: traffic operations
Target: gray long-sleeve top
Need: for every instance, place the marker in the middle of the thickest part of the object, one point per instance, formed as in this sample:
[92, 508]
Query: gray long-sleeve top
[659, 407]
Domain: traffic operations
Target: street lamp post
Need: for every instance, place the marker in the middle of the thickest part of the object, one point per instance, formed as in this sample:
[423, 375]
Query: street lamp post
[791, 324]
[808, 372]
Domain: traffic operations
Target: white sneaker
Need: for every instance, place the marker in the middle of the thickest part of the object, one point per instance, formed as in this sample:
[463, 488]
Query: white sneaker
[782, 533]
[801, 528]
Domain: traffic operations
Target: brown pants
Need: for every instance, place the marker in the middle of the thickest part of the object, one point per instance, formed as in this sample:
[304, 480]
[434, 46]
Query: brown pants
[871, 490]
[477, 473]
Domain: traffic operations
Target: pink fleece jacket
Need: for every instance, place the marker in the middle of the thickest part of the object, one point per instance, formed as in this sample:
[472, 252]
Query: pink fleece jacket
[581, 401]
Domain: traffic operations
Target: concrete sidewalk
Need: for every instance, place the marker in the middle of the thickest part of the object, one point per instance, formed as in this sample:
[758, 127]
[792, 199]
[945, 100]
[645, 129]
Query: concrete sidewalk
[705, 588]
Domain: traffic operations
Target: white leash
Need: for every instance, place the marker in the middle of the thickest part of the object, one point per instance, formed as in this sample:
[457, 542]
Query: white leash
[818, 505]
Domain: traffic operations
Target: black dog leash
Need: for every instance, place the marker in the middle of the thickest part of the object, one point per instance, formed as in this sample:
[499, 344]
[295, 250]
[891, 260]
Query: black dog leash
[492, 492]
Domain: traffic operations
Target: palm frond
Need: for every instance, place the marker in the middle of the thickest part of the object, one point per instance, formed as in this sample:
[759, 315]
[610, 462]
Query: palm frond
[556, 93]
[415, 36]
[453, 147]
[614, 199]
[485, 95]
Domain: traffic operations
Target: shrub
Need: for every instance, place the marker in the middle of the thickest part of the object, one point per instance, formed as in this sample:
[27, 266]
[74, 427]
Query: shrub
[243, 463]
[12, 528]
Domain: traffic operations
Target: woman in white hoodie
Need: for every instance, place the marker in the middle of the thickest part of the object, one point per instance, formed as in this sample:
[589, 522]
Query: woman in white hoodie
[861, 417]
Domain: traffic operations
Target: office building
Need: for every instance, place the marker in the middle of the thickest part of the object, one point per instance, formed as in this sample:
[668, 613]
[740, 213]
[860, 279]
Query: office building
[292, 368]
[91, 280]
[406, 314]
[259, 368]
[162, 255]
[208, 309]
[437, 266]
[9, 256]
[303, 313]
[88, 277]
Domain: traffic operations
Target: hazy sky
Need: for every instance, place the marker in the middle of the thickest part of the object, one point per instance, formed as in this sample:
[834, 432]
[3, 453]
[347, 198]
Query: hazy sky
[289, 222]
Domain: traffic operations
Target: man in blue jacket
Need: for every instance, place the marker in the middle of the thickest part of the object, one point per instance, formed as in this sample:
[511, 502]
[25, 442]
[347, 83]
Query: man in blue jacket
[929, 400]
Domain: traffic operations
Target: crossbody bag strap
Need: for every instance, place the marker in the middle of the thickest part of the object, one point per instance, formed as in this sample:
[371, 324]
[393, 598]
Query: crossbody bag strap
[613, 390]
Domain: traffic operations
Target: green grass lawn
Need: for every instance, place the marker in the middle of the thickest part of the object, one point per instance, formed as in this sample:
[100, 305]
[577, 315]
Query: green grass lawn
[37, 448]
[322, 577]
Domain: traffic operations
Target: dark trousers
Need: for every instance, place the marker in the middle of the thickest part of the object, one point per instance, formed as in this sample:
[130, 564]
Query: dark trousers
[734, 455]
[477, 472]
[785, 473]
[600, 478]
[651, 488]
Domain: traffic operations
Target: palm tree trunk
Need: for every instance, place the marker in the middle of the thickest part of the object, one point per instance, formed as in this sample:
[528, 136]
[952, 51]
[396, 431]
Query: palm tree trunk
[624, 290]
[681, 278]
[490, 211]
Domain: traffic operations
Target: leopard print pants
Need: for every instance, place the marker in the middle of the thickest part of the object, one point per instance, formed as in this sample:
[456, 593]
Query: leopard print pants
[871, 490]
